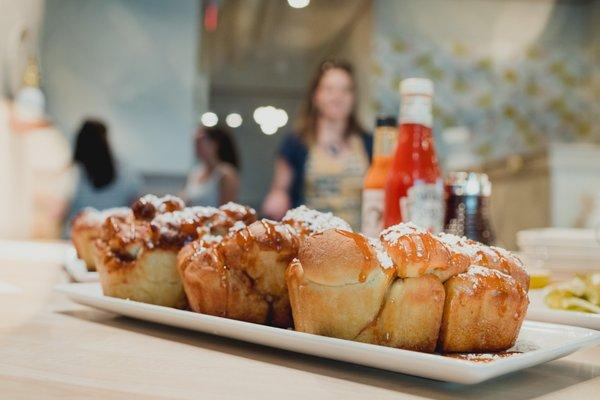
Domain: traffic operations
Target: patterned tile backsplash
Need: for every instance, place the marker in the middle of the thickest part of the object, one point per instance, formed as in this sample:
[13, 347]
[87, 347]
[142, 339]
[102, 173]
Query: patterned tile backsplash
[516, 105]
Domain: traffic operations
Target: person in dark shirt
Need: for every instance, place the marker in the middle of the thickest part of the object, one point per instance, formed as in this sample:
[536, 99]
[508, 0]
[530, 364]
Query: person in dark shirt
[102, 181]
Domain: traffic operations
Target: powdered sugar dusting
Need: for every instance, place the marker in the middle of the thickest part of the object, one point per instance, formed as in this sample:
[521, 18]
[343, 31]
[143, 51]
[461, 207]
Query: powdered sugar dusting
[91, 216]
[237, 226]
[460, 245]
[238, 210]
[382, 255]
[508, 255]
[314, 221]
[212, 239]
[477, 270]
[523, 346]
[176, 218]
[393, 234]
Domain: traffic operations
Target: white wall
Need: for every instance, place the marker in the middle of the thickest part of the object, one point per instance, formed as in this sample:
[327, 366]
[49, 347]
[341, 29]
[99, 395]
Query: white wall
[15, 18]
[132, 63]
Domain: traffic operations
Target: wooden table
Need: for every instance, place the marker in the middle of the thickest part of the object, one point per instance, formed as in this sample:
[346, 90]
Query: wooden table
[52, 348]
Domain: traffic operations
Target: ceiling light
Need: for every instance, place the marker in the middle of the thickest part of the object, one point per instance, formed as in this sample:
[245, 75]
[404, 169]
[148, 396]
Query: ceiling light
[209, 119]
[268, 129]
[233, 120]
[298, 3]
[270, 119]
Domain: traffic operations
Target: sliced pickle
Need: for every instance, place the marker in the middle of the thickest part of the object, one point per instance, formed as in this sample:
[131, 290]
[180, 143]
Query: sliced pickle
[592, 290]
[565, 300]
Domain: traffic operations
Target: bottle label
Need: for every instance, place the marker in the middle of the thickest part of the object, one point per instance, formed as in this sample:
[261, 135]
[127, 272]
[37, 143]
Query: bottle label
[372, 212]
[416, 109]
[424, 205]
[385, 141]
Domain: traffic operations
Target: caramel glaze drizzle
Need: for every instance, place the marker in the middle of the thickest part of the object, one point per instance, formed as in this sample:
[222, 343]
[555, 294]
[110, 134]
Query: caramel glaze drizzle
[272, 234]
[410, 253]
[247, 216]
[244, 239]
[274, 238]
[365, 249]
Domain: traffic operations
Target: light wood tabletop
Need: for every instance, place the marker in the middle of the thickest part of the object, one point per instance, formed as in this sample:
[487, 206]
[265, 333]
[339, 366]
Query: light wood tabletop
[52, 348]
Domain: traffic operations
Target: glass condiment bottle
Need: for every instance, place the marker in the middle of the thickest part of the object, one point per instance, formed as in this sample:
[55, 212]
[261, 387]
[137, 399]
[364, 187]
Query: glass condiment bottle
[386, 133]
[467, 206]
[414, 189]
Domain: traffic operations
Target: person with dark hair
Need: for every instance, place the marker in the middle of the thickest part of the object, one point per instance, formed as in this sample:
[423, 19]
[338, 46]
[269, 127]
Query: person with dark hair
[322, 164]
[215, 180]
[101, 181]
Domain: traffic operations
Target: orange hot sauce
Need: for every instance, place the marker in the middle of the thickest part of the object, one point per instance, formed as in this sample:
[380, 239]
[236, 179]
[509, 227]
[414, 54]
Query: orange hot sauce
[386, 133]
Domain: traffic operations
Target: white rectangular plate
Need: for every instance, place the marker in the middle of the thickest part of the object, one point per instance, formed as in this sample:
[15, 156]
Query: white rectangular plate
[540, 342]
[76, 268]
[539, 311]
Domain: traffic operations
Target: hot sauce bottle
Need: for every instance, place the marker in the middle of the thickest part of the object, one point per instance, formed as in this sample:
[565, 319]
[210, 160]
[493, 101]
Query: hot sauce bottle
[414, 191]
[386, 133]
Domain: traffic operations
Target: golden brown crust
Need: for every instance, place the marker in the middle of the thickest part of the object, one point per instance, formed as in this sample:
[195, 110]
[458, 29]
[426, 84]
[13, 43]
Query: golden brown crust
[148, 206]
[238, 212]
[242, 276]
[511, 264]
[83, 241]
[410, 316]
[476, 310]
[311, 266]
[483, 311]
[489, 257]
[350, 252]
[149, 278]
[172, 230]
[416, 252]
[137, 253]
[341, 286]
[341, 311]
[250, 264]
[86, 228]
[307, 221]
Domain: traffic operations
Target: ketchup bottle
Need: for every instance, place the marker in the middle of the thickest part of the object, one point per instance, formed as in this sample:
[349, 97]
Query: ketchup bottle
[414, 191]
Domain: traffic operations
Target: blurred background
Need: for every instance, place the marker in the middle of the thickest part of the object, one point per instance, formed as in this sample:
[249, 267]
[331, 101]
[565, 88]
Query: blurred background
[517, 92]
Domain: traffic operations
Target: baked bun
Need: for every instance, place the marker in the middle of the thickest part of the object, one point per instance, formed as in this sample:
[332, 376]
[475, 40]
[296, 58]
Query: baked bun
[345, 285]
[337, 285]
[149, 206]
[489, 257]
[85, 229]
[410, 316]
[483, 312]
[416, 252]
[137, 255]
[242, 276]
[410, 290]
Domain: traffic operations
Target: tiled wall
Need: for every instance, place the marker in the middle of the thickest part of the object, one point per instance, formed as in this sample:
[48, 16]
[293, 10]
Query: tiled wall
[516, 74]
